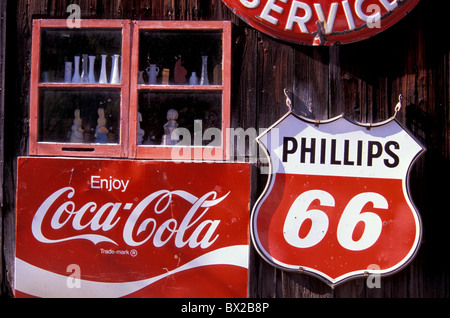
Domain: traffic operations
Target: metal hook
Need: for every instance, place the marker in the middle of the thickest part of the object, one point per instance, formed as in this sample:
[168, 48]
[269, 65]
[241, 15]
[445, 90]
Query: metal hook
[288, 100]
[398, 107]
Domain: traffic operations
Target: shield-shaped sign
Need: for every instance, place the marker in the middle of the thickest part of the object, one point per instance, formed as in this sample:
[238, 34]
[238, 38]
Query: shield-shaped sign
[337, 204]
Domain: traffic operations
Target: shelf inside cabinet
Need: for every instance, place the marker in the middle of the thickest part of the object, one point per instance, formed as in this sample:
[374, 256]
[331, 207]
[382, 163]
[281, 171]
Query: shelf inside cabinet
[76, 86]
[180, 87]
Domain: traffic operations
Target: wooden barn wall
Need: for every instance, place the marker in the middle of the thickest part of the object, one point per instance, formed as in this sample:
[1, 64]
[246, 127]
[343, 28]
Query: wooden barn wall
[2, 120]
[361, 80]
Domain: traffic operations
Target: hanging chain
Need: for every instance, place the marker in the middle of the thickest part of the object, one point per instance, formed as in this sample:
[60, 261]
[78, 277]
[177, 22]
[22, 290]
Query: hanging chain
[397, 108]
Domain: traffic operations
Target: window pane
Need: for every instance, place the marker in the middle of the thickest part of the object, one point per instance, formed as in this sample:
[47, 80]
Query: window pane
[202, 108]
[59, 123]
[62, 45]
[164, 48]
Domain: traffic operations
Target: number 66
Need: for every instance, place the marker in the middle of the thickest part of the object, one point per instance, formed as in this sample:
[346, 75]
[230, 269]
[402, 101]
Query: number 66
[350, 217]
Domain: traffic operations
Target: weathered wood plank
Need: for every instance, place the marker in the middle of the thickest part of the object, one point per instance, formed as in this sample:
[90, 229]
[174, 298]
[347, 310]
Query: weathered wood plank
[2, 126]
[127, 8]
[243, 100]
[361, 80]
[270, 105]
[335, 96]
[311, 92]
[447, 104]
[275, 73]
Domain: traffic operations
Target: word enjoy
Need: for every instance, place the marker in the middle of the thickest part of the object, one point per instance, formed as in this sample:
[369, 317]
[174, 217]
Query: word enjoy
[109, 184]
[351, 216]
[158, 228]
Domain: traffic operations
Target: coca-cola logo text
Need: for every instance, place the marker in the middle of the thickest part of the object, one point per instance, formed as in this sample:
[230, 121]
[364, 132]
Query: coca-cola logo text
[150, 219]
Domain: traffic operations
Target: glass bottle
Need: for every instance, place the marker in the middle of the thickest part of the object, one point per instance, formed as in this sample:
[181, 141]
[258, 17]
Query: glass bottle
[204, 75]
[84, 69]
[103, 78]
[76, 70]
[91, 69]
[115, 77]
[193, 80]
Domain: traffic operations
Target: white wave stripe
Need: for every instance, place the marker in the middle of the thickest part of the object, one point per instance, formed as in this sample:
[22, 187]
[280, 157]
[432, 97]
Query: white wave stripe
[38, 282]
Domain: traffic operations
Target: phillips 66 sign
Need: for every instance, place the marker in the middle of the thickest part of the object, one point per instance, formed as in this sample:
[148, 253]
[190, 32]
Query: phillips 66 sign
[321, 22]
[337, 204]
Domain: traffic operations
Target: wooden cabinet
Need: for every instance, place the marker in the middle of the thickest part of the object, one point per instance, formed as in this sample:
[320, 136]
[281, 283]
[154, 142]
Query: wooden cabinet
[64, 111]
[131, 89]
[193, 59]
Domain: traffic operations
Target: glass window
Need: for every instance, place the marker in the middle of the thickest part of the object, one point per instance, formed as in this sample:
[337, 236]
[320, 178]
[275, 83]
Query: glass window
[195, 111]
[59, 46]
[180, 53]
[75, 116]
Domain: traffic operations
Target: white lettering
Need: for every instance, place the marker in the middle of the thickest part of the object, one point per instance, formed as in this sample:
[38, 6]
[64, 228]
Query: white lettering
[359, 12]
[130, 224]
[250, 4]
[389, 5]
[193, 229]
[375, 21]
[74, 19]
[192, 308]
[109, 184]
[271, 6]
[362, 12]
[301, 21]
[108, 223]
[373, 280]
[36, 225]
[95, 182]
[352, 215]
[299, 212]
[348, 15]
[158, 240]
[73, 281]
[329, 23]
[187, 222]
[125, 185]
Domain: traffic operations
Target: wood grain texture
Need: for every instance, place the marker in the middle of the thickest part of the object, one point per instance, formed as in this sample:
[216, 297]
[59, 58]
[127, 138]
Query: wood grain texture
[361, 80]
[2, 125]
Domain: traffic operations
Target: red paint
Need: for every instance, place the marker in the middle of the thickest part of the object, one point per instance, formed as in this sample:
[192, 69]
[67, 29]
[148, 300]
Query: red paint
[329, 256]
[123, 222]
[337, 201]
[344, 21]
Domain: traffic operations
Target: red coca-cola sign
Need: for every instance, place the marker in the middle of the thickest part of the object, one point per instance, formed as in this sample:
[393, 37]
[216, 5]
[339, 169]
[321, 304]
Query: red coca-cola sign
[321, 22]
[116, 228]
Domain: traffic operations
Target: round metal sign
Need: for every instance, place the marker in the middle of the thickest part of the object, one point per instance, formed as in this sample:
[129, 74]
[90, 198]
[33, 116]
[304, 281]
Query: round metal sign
[321, 22]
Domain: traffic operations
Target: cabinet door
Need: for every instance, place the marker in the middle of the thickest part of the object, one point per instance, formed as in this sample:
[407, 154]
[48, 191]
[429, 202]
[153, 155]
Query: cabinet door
[180, 90]
[80, 88]
[70, 115]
